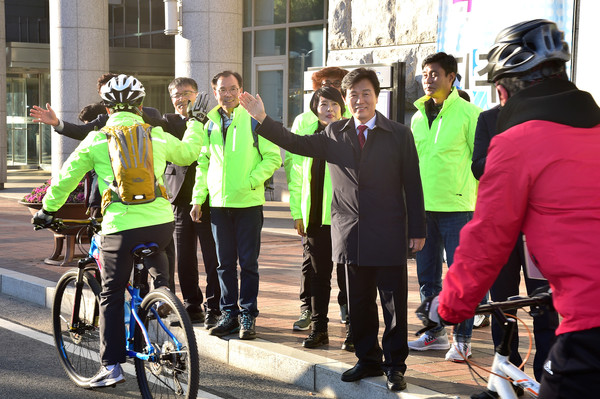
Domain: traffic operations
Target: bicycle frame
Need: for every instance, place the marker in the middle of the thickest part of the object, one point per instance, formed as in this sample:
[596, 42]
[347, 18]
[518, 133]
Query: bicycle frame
[135, 302]
[503, 387]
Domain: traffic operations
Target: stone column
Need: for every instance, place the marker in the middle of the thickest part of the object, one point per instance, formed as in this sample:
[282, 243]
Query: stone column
[3, 137]
[211, 40]
[78, 56]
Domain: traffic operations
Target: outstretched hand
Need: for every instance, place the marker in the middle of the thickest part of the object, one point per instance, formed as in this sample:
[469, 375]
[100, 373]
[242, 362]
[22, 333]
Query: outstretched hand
[42, 115]
[254, 106]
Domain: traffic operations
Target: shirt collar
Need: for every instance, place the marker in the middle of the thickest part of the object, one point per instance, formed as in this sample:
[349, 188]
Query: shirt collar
[370, 123]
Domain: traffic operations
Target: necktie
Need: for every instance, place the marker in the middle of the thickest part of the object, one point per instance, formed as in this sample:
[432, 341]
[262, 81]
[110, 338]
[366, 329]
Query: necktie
[361, 135]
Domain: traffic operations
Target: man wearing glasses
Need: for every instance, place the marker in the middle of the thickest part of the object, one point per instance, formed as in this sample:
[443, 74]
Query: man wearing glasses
[232, 168]
[180, 182]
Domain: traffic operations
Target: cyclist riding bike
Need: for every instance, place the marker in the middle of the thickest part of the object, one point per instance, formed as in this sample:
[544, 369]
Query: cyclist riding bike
[542, 178]
[123, 226]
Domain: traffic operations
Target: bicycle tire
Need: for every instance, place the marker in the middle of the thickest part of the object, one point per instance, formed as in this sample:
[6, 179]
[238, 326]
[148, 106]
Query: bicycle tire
[79, 348]
[172, 375]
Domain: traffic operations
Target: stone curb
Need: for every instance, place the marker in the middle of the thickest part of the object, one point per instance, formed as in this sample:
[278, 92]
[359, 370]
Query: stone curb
[312, 372]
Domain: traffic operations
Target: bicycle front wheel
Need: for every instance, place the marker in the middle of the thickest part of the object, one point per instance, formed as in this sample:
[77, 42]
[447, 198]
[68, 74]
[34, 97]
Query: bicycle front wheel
[77, 337]
[173, 372]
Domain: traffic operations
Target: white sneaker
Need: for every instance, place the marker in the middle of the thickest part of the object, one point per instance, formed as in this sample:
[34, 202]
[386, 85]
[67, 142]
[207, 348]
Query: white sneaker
[106, 377]
[481, 320]
[426, 342]
[454, 354]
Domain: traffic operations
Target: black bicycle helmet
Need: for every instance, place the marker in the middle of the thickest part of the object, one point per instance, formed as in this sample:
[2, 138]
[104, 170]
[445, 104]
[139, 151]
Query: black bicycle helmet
[523, 46]
[123, 92]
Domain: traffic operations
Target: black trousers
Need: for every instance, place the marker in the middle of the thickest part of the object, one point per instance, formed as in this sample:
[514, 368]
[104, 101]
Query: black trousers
[363, 284]
[117, 264]
[318, 247]
[573, 367]
[305, 279]
[544, 326]
[187, 235]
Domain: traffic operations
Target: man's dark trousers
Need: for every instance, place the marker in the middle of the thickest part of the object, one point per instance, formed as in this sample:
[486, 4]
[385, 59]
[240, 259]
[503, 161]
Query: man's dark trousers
[187, 235]
[392, 283]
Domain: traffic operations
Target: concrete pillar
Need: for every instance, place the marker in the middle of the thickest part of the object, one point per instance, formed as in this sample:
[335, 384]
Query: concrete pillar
[211, 40]
[3, 137]
[78, 56]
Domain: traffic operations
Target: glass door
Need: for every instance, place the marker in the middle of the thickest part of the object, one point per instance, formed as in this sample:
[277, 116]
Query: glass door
[269, 81]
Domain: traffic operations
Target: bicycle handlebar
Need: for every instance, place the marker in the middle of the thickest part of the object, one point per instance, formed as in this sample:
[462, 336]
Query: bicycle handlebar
[60, 224]
[540, 299]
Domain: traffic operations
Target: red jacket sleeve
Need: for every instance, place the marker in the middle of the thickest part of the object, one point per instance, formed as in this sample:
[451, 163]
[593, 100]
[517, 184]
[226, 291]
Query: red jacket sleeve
[487, 241]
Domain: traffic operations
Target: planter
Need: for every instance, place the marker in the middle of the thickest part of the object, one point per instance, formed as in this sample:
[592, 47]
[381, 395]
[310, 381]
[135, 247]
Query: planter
[67, 211]
[70, 235]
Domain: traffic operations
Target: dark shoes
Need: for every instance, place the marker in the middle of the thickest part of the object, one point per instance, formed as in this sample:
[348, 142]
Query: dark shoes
[395, 380]
[316, 339]
[247, 326]
[361, 371]
[228, 324]
[211, 320]
[196, 316]
[348, 345]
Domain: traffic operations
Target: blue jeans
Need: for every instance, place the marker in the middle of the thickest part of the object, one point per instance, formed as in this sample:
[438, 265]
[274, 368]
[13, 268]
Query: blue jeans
[237, 236]
[443, 230]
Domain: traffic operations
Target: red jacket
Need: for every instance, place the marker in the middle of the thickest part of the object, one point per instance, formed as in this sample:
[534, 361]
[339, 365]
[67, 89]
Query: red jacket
[542, 178]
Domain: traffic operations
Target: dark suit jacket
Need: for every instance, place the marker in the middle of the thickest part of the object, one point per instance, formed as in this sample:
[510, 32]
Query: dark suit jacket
[377, 192]
[78, 132]
[485, 130]
[179, 179]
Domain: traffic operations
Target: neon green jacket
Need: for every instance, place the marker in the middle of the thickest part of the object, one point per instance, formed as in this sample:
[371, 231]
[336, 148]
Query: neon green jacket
[298, 173]
[233, 175]
[92, 153]
[445, 152]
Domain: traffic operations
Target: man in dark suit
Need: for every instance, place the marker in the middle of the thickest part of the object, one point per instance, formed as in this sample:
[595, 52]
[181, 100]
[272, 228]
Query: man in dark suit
[377, 214]
[180, 182]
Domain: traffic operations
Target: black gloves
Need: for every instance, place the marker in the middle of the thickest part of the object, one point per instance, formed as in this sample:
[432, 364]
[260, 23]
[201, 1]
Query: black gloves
[427, 312]
[42, 219]
[198, 109]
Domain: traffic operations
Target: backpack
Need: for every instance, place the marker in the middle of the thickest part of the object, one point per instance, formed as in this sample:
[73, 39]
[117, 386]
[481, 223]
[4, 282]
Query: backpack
[130, 152]
[269, 183]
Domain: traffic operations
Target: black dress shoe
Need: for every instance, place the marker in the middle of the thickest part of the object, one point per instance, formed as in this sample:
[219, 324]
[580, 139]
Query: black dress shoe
[361, 371]
[316, 339]
[395, 381]
[348, 345]
[196, 316]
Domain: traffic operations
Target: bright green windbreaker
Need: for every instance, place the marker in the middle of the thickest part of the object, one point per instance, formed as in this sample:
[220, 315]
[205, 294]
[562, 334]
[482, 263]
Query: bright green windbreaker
[445, 152]
[233, 174]
[92, 153]
[298, 173]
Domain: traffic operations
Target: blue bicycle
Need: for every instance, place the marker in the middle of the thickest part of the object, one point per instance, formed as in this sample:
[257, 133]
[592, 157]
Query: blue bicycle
[160, 337]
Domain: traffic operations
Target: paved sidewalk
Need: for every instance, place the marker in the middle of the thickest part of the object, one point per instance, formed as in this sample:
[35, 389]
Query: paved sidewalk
[278, 351]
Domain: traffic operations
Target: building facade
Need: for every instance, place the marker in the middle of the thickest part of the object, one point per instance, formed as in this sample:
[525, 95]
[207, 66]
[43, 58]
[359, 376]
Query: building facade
[56, 49]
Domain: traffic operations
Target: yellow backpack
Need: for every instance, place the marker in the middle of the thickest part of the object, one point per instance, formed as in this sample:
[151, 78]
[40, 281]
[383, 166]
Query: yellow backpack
[130, 152]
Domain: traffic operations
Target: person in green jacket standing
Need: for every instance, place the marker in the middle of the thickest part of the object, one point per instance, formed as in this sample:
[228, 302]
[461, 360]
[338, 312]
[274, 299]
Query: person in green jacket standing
[232, 167]
[444, 132]
[123, 225]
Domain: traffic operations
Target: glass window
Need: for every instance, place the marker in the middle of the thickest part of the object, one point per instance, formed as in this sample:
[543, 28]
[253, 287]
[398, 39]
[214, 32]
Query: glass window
[306, 10]
[269, 42]
[247, 13]
[247, 64]
[269, 12]
[306, 50]
[138, 24]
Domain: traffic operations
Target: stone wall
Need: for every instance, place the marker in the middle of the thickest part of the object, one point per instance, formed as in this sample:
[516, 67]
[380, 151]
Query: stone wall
[384, 31]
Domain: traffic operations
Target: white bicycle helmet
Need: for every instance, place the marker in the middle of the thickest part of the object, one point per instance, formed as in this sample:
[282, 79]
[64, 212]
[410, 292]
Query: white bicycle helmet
[123, 92]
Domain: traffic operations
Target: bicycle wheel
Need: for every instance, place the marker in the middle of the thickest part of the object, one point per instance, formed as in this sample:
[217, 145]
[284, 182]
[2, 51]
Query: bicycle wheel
[171, 373]
[78, 345]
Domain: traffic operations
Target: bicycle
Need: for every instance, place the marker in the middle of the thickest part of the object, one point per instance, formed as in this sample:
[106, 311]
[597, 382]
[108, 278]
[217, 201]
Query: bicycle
[159, 334]
[505, 376]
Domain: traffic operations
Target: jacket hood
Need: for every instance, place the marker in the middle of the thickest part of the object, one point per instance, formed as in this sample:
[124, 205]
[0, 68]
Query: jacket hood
[554, 100]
